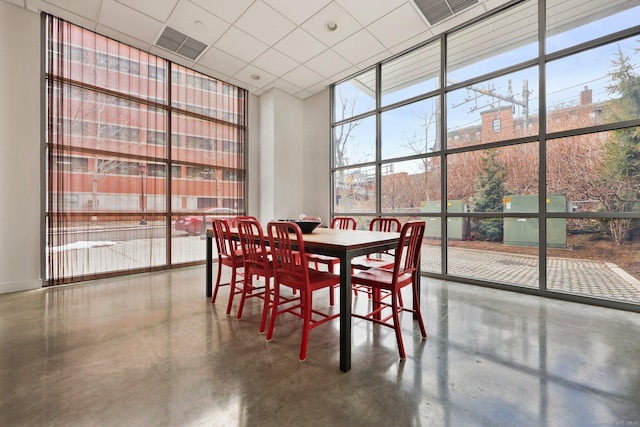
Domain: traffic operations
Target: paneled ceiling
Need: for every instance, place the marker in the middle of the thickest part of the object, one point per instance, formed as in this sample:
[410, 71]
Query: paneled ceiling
[296, 46]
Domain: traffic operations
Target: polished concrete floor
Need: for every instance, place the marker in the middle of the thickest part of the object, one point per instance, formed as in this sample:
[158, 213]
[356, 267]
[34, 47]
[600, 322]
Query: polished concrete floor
[150, 350]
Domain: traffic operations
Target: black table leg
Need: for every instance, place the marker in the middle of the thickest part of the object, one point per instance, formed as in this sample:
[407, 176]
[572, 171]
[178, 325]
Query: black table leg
[345, 313]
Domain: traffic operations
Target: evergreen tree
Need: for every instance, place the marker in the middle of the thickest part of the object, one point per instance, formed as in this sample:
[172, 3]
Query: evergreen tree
[619, 179]
[489, 194]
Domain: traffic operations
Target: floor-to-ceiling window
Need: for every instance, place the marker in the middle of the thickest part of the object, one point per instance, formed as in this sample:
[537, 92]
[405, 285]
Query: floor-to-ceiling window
[142, 153]
[517, 139]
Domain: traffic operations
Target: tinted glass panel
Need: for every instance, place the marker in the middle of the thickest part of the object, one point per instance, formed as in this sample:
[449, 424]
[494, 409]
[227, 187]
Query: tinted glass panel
[598, 172]
[486, 180]
[355, 190]
[603, 90]
[492, 44]
[487, 257]
[570, 22]
[412, 74]
[405, 185]
[355, 96]
[592, 263]
[499, 109]
[354, 142]
[411, 129]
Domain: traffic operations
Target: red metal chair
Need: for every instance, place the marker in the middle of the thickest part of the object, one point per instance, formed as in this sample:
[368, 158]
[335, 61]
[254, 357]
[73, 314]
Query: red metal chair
[340, 223]
[292, 270]
[228, 255]
[404, 273]
[379, 260]
[257, 262]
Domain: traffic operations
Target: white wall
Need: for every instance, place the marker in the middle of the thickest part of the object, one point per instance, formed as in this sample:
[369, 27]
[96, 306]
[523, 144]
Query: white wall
[19, 149]
[253, 157]
[281, 162]
[316, 156]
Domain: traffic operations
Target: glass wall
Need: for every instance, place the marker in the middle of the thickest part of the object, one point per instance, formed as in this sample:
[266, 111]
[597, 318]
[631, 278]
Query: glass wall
[518, 143]
[135, 170]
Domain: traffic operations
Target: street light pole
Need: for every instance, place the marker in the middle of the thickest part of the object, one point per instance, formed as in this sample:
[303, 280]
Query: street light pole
[142, 169]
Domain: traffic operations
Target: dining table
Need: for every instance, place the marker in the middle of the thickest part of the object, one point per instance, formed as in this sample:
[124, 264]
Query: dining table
[344, 245]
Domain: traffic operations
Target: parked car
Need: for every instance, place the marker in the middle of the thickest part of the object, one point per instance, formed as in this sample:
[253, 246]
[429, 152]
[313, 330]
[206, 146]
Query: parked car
[192, 224]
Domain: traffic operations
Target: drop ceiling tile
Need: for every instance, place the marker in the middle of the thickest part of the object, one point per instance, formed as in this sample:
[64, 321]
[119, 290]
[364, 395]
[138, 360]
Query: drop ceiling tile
[230, 11]
[344, 74]
[286, 86]
[367, 11]
[87, 8]
[300, 45]
[387, 30]
[211, 73]
[221, 61]
[328, 63]
[248, 73]
[243, 85]
[359, 47]
[185, 19]
[296, 10]
[241, 45]
[317, 25]
[264, 23]
[319, 87]
[157, 9]
[303, 77]
[373, 60]
[16, 2]
[303, 94]
[124, 38]
[275, 62]
[413, 41]
[128, 21]
[38, 6]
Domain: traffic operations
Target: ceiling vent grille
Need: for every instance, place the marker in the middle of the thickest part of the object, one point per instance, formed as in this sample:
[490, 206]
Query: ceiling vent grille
[180, 43]
[438, 10]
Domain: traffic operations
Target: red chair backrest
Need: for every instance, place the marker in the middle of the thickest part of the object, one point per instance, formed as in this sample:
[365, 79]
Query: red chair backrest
[289, 257]
[222, 236]
[385, 224]
[344, 223]
[253, 244]
[408, 251]
[236, 219]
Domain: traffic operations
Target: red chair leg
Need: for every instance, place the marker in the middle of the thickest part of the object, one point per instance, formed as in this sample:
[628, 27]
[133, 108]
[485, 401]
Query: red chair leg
[332, 298]
[274, 310]
[265, 307]
[232, 291]
[246, 286]
[416, 305]
[307, 324]
[396, 324]
[215, 291]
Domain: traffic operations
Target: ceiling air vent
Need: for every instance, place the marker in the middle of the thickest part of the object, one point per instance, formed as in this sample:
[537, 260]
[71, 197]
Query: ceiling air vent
[181, 44]
[438, 10]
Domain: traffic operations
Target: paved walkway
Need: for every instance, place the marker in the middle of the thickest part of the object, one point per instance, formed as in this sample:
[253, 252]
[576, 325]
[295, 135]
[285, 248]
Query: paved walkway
[577, 276]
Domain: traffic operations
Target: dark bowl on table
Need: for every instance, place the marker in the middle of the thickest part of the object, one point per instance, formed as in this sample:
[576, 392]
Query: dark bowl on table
[306, 227]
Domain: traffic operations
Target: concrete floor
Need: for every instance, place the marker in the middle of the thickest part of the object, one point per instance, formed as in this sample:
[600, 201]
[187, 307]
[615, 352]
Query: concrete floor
[150, 350]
